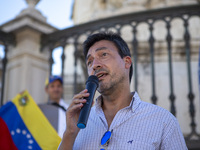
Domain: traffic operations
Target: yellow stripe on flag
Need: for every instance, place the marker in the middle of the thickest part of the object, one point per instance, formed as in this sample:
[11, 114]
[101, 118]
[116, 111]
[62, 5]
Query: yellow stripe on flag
[40, 128]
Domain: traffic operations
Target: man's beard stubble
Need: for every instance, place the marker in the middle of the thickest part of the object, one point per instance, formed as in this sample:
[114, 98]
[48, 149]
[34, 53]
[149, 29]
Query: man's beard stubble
[110, 86]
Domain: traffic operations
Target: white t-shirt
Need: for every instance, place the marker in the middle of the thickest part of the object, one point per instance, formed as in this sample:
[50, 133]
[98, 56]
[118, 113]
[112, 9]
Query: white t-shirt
[62, 118]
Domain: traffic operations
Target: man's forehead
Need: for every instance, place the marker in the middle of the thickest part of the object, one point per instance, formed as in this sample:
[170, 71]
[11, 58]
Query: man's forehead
[95, 50]
[100, 45]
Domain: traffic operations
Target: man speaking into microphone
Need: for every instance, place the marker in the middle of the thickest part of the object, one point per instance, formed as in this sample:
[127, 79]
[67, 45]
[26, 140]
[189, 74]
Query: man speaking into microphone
[119, 120]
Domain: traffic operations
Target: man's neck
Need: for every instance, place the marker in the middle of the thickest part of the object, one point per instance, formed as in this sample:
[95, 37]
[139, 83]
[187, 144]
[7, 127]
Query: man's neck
[55, 101]
[116, 102]
[113, 103]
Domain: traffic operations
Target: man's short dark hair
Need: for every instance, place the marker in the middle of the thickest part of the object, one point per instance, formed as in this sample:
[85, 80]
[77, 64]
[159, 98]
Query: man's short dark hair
[123, 49]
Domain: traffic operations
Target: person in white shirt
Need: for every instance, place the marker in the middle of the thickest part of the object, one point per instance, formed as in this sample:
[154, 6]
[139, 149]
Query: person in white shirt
[119, 120]
[56, 108]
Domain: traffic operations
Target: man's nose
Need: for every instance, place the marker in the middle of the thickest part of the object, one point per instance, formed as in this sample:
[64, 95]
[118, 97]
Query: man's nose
[96, 64]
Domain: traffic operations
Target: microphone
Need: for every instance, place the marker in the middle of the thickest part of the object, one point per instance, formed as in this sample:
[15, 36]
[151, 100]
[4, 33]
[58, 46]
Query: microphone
[92, 84]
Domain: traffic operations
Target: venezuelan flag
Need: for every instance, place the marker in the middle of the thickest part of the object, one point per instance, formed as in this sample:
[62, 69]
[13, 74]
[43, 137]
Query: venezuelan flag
[23, 126]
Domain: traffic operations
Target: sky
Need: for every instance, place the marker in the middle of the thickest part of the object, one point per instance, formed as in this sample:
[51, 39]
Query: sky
[57, 12]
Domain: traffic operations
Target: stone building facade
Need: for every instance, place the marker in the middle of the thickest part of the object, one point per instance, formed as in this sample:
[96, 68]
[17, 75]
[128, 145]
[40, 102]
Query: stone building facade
[89, 10]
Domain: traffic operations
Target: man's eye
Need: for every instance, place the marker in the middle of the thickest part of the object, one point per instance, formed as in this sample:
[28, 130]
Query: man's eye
[88, 63]
[104, 54]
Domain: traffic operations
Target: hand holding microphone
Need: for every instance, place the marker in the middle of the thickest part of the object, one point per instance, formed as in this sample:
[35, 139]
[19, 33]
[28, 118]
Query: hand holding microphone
[91, 85]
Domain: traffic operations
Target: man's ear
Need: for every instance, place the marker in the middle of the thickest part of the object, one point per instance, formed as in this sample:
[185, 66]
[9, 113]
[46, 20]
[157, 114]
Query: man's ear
[128, 62]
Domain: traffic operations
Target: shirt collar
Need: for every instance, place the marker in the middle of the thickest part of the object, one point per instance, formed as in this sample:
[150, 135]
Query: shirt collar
[62, 103]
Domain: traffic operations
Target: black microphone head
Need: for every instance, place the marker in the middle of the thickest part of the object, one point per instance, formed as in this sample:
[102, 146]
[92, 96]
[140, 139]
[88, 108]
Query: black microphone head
[94, 79]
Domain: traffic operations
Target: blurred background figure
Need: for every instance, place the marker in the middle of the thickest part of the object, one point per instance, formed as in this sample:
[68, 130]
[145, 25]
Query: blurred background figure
[55, 108]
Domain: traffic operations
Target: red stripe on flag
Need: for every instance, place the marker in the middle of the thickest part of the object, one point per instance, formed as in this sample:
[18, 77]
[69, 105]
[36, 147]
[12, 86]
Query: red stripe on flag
[6, 142]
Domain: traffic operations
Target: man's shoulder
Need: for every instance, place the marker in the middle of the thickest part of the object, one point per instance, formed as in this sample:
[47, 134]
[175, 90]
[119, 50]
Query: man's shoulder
[47, 107]
[149, 107]
[155, 110]
[153, 107]
[51, 113]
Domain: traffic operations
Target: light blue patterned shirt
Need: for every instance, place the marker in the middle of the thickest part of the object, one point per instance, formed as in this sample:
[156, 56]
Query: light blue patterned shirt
[140, 126]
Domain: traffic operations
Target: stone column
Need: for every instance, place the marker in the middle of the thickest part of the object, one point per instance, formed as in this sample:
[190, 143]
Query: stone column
[27, 66]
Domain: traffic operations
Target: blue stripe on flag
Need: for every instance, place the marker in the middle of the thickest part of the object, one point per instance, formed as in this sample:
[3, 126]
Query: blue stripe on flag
[19, 132]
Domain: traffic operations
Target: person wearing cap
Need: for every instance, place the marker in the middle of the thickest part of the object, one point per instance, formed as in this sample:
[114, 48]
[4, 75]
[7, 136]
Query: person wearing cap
[55, 108]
